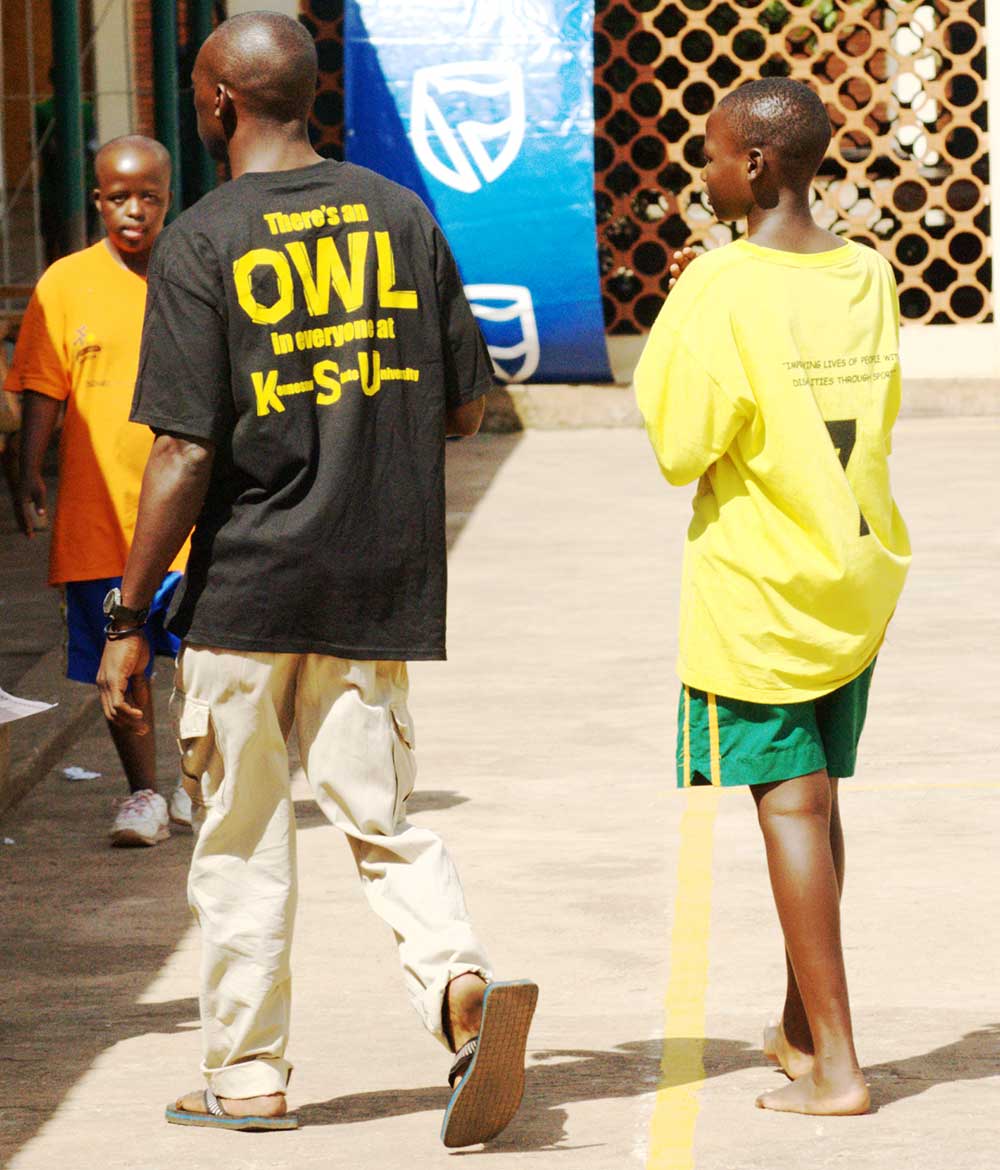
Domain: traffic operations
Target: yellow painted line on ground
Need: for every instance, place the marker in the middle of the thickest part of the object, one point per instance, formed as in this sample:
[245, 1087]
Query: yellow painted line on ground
[682, 1073]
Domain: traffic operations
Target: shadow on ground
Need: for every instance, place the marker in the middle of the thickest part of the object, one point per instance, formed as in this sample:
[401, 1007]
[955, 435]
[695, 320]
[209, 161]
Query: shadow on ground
[968, 1059]
[560, 1077]
[88, 928]
[554, 1079]
[471, 466]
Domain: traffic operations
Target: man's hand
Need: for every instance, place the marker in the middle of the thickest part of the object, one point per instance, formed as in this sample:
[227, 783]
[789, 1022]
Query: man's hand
[122, 678]
[30, 503]
[678, 262]
[173, 489]
[466, 419]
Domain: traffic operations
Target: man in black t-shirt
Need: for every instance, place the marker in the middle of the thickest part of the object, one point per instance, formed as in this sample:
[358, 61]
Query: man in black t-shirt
[306, 349]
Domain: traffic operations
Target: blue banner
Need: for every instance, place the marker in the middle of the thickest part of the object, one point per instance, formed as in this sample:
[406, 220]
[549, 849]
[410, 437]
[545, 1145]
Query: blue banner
[485, 109]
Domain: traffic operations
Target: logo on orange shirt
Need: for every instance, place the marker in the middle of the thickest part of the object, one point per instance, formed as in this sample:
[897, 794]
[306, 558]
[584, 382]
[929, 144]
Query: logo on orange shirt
[85, 344]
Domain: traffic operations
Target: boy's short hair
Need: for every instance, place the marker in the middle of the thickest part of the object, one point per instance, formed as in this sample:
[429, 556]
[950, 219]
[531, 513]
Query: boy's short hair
[785, 115]
[139, 142]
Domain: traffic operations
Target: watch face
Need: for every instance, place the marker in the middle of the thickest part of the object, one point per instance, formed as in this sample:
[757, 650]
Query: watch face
[112, 598]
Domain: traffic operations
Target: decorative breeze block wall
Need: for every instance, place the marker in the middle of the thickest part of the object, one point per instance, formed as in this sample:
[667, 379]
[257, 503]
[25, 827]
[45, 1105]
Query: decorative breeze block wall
[904, 83]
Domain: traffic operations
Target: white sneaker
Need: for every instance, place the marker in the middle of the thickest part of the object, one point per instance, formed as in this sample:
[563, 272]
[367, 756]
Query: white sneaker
[180, 807]
[141, 819]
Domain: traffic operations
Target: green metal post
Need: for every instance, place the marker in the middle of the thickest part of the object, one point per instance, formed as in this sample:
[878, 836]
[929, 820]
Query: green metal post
[69, 122]
[164, 13]
[199, 30]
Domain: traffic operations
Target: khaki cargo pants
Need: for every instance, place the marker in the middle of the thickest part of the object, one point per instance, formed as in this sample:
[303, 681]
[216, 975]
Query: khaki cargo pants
[233, 712]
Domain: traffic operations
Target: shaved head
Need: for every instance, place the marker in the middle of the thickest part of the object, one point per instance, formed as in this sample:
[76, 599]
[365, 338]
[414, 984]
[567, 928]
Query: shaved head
[269, 62]
[132, 195]
[784, 115]
[130, 152]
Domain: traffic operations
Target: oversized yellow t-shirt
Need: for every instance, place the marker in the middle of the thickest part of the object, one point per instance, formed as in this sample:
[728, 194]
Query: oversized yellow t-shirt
[773, 379]
[79, 341]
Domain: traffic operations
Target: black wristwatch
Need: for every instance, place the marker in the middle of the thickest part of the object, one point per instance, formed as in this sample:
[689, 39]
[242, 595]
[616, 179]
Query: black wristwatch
[120, 615]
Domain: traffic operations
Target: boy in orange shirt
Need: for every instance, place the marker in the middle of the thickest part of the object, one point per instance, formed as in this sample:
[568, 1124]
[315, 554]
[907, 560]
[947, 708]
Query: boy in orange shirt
[79, 345]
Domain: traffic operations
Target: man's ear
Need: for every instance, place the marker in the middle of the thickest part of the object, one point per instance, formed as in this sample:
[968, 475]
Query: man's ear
[225, 108]
[96, 196]
[755, 163]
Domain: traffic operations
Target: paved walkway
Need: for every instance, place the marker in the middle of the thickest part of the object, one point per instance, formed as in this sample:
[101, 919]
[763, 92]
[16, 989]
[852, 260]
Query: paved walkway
[644, 913]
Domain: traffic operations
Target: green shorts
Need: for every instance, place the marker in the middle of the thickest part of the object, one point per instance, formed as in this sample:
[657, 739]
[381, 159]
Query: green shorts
[728, 742]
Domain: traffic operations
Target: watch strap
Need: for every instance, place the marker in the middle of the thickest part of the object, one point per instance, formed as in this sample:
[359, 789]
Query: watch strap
[123, 615]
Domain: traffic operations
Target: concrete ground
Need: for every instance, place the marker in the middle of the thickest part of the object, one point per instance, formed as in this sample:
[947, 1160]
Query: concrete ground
[545, 750]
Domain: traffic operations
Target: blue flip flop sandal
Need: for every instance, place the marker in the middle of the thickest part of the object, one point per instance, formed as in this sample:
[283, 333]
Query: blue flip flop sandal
[487, 1075]
[217, 1118]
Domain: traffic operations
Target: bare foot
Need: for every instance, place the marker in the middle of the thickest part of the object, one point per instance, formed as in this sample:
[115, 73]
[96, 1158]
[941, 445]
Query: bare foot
[779, 1049]
[843, 1097]
[463, 1008]
[273, 1105]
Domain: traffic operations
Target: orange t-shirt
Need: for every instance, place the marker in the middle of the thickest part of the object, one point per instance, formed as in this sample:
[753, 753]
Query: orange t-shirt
[79, 342]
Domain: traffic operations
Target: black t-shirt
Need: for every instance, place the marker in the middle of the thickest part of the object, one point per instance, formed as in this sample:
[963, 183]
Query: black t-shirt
[312, 324]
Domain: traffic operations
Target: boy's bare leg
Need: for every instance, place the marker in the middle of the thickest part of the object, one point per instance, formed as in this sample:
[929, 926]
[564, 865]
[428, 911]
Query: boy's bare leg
[789, 1041]
[138, 752]
[796, 819]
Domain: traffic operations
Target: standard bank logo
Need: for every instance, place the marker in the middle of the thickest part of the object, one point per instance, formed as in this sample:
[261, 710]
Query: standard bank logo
[467, 120]
[510, 328]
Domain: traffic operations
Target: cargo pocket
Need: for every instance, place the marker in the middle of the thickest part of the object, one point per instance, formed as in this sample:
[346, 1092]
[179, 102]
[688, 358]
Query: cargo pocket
[192, 722]
[403, 759]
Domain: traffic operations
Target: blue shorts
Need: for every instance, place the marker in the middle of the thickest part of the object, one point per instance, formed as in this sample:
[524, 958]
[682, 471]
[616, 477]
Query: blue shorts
[85, 622]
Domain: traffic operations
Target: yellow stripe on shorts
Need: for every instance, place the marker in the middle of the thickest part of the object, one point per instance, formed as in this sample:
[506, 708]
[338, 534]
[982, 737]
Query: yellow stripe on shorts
[713, 740]
[687, 738]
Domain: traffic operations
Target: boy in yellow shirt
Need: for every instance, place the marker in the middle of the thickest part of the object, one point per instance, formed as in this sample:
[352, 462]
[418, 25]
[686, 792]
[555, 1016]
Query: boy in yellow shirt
[771, 377]
[79, 345]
